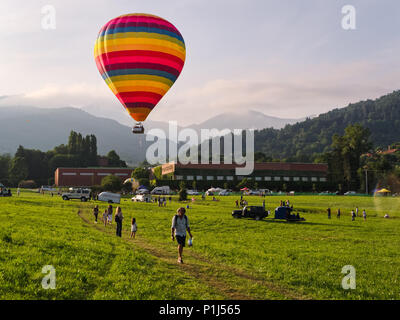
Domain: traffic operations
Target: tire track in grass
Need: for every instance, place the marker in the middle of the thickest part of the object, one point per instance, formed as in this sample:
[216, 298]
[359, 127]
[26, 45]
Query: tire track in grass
[206, 270]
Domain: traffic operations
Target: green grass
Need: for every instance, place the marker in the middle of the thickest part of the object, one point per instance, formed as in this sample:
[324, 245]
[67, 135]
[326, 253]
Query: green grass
[230, 259]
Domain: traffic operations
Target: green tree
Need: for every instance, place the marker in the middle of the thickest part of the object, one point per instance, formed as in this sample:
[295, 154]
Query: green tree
[111, 183]
[18, 170]
[114, 160]
[140, 173]
[182, 191]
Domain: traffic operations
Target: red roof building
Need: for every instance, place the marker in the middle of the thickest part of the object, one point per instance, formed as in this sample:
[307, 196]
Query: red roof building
[87, 177]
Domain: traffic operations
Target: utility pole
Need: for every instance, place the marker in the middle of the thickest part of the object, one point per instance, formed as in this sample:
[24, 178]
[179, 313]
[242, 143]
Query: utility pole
[366, 181]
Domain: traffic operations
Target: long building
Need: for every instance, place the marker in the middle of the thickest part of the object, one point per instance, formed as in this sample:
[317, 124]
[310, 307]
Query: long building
[266, 172]
[86, 177]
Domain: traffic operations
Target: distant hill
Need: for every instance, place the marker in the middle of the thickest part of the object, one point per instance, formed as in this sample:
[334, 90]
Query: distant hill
[248, 119]
[43, 129]
[303, 139]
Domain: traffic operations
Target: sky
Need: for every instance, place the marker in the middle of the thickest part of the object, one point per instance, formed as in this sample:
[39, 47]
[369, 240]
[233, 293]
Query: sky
[285, 58]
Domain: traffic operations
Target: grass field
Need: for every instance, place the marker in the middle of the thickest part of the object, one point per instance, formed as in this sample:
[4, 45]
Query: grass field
[230, 259]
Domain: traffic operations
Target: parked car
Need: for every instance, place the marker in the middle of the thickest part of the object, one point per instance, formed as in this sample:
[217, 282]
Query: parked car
[161, 190]
[256, 212]
[48, 188]
[253, 193]
[224, 193]
[192, 192]
[5, 192]
[142, 198]
[109, 197]
[142, 191]
[77, 193]
[350, 193]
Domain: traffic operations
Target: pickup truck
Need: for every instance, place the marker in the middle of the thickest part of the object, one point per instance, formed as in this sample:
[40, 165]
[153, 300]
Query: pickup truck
[255, 212]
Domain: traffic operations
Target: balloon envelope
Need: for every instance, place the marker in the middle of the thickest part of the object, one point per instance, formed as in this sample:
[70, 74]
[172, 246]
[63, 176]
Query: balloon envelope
[139, 56]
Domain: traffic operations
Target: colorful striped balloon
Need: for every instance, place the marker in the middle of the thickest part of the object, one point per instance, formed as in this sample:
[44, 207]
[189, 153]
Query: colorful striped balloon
[139, 56]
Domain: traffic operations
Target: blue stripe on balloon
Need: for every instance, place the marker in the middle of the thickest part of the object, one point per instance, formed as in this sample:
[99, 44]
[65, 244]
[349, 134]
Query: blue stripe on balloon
[151, 72]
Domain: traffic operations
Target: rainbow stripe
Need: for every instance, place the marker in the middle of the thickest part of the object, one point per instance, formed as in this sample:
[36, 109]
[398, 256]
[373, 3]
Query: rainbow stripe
[139, 56]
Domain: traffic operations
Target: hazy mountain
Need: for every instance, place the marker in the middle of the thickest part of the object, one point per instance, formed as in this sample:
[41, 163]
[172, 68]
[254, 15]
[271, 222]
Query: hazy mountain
[43, 129]
[245, 120]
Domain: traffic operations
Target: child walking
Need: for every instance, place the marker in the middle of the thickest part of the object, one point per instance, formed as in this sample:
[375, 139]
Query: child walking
[133, 228]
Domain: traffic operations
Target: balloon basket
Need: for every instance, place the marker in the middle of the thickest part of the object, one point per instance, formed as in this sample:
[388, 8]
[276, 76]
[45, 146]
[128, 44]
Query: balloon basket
[138, 129]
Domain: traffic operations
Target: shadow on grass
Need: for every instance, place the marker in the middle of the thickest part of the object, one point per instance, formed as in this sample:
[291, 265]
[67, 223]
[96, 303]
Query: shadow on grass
[272, 220]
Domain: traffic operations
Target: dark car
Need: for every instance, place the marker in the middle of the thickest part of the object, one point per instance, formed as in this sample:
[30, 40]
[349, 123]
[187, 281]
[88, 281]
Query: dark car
[255, 212]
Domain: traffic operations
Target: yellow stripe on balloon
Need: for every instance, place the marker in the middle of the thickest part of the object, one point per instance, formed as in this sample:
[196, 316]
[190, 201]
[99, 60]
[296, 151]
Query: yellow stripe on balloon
[138, 88]
[146, 77]
[140, 35]
[142, 83]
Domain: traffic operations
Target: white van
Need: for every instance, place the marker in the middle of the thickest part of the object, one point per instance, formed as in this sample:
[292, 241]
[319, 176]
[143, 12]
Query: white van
[161, 190]
[109, 197]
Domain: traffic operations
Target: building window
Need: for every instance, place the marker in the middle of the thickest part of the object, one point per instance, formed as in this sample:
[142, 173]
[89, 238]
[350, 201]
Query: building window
[229, 178]
[179, 177]
[199, 177]
[296, 179]
[267, 178]
[304, 179]
[277, 178]
[220, 178]
[322, 179]
[189, 178]
[210, 177]
[240, 177]
[286, 178]
[314, 179]
[86, 174]
[69, 174]
[104, 174]
[121, 174]
[258, 178]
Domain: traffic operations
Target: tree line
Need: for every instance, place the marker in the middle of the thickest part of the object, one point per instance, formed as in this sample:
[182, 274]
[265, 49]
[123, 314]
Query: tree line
[35, 167]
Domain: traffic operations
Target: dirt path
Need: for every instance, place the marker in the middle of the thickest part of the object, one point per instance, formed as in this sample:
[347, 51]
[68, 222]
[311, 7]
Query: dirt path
[203, 269]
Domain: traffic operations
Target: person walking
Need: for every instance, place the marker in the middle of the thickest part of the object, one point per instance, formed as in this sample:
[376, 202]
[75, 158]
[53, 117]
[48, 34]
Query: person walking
[329, 212]
[338, 213]
[95, 212]
[105, 217]
[365, 215]
[180, 224]
[109, 214]
[118, 220]
[356, 211]
[18, 191]
[133, 228]
[353, 215]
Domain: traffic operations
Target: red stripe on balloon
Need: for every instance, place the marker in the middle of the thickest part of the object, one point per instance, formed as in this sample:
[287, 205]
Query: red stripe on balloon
[140, 53]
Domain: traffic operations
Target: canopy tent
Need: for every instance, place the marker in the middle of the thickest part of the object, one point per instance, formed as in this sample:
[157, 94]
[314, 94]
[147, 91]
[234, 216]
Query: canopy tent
[384, 190]
[244, 189]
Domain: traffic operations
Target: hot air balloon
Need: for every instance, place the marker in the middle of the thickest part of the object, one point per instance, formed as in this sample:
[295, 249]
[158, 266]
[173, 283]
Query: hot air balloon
[139, 56]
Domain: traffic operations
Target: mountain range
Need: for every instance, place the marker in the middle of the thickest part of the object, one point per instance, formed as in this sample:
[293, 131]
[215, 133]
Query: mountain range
[44, 128]
[290, 139]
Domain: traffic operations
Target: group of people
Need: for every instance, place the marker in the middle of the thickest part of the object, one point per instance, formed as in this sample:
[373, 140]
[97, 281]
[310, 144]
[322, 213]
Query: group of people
[162, 201]
[179, 226]
[353, 213]
[118, 218]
